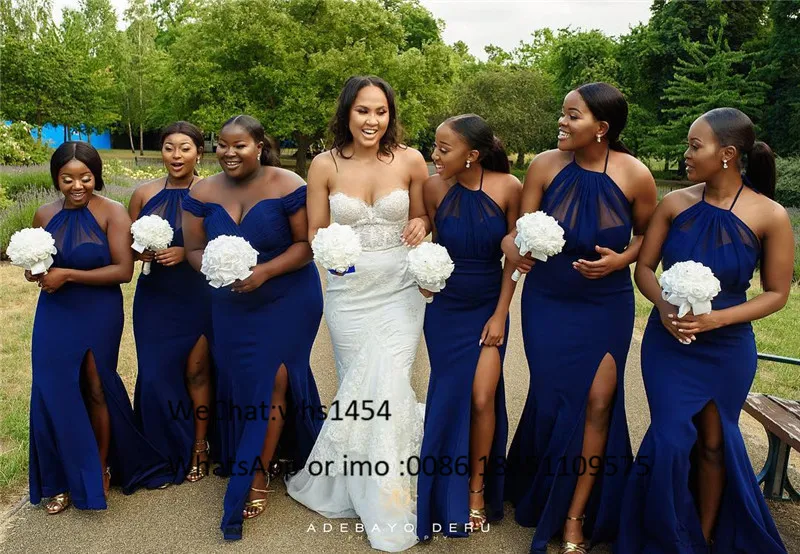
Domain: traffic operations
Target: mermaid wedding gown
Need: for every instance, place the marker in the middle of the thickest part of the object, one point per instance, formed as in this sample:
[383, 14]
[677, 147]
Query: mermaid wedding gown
[365, 460]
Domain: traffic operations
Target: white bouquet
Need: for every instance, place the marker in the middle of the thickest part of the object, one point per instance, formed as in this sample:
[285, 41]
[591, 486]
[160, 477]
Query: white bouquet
[336, 248]
[32, 249]
[541, 235]
[430, 265]
[150, 232]
[226, 259]
[690, 286]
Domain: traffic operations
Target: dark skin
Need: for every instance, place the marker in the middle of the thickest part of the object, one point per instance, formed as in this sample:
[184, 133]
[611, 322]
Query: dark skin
[180, 156]
[770, 223]
[242, 184]
[77, 184]
[578, 134]
[451, 153]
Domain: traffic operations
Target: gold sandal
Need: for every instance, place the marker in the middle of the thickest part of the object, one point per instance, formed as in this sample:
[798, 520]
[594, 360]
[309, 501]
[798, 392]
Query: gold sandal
[107, 472]
[200, 469]
[58, 504]
[568, 547]
[477, 513]
[257, 504]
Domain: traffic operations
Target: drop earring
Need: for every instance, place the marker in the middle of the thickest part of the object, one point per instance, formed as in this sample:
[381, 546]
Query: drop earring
[598, 138]
[724, 164]
[467, 164]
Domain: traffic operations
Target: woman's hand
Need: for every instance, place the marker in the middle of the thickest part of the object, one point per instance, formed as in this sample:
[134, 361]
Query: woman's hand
[170, 256]
[31, 278]
[426, 293]
[144, 256]
[258, 278]
[609, 262]
[54, 279]
[523, 264]
[690, 325]
[414, 232]
[668, 314]
[494, 331]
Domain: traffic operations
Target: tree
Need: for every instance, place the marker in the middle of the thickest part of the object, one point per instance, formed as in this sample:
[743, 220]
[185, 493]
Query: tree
[783, 74]
[298, 55]
[520, 105]
[704, 80]
[420, 27]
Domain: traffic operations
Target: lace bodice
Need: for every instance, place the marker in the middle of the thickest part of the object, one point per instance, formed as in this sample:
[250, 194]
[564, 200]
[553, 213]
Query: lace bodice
[380, 225]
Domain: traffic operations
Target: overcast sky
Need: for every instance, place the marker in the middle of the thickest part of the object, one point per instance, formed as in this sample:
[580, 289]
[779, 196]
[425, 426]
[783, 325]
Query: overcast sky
[506, 22]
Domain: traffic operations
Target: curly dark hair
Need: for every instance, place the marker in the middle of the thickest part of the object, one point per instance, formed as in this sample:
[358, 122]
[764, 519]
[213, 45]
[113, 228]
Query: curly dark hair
[340, 124]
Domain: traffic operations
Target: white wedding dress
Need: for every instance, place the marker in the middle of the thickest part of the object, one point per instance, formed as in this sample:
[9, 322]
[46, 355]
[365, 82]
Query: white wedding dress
[359, 466]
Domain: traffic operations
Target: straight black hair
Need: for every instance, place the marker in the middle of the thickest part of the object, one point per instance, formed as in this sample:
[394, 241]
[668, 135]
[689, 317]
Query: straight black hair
[270, 153]
[185, 128]
[479, 136]
[607, 104]
[81, 151]
[734, 128]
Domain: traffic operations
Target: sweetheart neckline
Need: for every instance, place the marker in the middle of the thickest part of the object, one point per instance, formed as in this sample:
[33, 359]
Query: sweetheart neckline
[367, 204]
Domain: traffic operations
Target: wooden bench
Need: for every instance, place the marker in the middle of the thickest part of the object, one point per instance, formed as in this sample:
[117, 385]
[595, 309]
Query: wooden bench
[781, 420]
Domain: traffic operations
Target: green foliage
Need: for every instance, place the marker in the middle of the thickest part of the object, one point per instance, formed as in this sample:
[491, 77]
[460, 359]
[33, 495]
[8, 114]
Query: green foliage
[18, 184]
[519, 104]
[783, 56]
[20, 215]
[787, 188]
[18, 147]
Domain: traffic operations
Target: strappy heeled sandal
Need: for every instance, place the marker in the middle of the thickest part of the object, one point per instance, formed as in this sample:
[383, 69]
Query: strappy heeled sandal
[199, 469]
[477, 513]
[107, 473]
[568, 547]
[58, 504]
[254, 508]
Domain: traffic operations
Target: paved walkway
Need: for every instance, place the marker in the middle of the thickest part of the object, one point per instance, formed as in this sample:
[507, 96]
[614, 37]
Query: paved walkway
[186, 518]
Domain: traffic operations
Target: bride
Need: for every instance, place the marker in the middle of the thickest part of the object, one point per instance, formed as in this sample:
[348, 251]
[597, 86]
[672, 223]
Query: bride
[361, 463]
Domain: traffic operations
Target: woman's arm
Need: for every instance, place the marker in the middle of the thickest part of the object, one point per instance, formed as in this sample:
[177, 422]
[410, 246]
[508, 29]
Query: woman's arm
[530, 200]
[120, 270]
[317, 204]
[419, 224]
[650, 257]
[194, 235]
[134, 209]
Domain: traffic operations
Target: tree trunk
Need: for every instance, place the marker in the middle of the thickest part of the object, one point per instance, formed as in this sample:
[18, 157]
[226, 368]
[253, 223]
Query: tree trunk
[520, 160]
[130, 136]
[141, 139]
[303, 142]
[66, 133]
[666, 164]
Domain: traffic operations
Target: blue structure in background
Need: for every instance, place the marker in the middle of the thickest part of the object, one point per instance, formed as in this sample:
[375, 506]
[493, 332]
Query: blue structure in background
[54, 136]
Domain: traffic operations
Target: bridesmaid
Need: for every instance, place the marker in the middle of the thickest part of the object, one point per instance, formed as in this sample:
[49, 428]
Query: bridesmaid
[264, 327]
[172, 320]
[698, 370]
[566, 462]
[473, 202]
[82, 429]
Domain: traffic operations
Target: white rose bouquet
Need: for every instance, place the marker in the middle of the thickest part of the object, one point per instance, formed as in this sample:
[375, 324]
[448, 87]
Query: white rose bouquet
[150, 232]
[32, 249]
[336, 248]
[431, 266]
[689, 285]
[541, 235]
[226, 259]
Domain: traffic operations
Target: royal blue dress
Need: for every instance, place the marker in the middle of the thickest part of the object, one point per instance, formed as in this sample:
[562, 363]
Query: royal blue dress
[471, 226]
[171, 311]
[69, 323]
[569, 324]
[659, 514]
[256, 332]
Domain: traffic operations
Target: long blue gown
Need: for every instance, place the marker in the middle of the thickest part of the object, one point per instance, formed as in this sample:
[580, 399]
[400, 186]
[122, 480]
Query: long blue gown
[69, 323]
[256, 332]
[659, 513]
[569, 324]
[171, 311]
[471, 226]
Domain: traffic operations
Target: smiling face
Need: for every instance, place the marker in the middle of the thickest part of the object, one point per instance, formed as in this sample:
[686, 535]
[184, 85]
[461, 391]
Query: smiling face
[704, 155]
[180, 155]
[451, 152]
[76, 183]
[577, 126]
[238, 153]
[369, 117]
